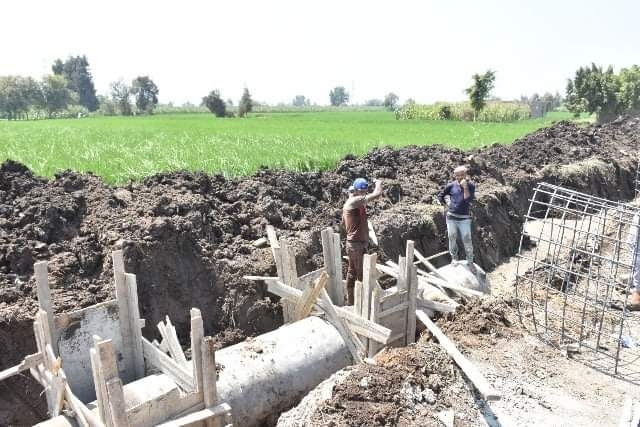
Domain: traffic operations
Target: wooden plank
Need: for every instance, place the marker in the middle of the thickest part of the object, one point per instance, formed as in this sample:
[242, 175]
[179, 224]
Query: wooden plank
[220, 410]
[197, 335]
[357, 298]
[209, 389]
[386, 313]
[427, 264]
[374, 313]
[480, 383]
[273, 237]
[124, 313]
[366, 328]
[99, 383]
[174, 343]
[402, 274]
[44, 299]
[338, 286]
[334, 288]
[308, 279]
[58, 384]
[290, 275]
[432, 257]
[117, 405]
[83, 415]
[168, 366]
[353, 344]
[108, 368]
[136, 326]
[309, 296]
[409, 254]
[30, 361]
[412, 302]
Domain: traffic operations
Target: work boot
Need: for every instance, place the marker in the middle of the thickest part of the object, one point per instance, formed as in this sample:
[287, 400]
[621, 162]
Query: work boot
[633, 303]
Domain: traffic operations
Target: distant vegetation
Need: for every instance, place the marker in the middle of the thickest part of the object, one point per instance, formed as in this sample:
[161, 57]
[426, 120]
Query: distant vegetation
[495, 111]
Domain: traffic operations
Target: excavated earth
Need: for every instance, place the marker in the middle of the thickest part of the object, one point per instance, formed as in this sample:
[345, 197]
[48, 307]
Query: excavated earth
[189, 236]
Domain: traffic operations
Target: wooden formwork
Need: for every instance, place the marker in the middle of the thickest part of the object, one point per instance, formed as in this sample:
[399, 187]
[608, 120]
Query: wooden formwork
[108, 352]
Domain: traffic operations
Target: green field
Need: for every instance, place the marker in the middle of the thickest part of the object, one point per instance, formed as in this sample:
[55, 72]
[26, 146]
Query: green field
[123, 148]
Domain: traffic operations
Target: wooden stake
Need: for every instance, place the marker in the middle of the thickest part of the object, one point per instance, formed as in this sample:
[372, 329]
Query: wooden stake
[374, 312]
[209, 377]
[354, 345]
[124, 313]
[136, 325]
[197, 335]
[44, 299]
[488, 392]
[305, 304]
[412, 295]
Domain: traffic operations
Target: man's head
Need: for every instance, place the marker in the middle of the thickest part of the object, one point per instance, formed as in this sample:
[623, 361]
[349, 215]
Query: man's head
[460, 173]
[359, 186]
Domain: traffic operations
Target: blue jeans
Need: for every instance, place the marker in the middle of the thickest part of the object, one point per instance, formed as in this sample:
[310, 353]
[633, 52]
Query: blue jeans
[462, 228]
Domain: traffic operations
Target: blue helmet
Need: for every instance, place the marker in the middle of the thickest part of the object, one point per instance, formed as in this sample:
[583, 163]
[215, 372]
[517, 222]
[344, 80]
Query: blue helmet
[360, 184]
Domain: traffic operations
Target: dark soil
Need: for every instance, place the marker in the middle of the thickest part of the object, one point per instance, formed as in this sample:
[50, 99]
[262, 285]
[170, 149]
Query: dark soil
[408, 387]
[188, 236]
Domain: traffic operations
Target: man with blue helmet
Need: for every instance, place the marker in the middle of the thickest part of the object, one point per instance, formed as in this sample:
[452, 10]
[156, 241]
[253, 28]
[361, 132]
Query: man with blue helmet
[354, 217]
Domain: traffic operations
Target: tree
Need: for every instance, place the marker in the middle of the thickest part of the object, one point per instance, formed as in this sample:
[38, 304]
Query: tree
[17, 94]
[120, 93]
[391, 101]
[630, 88]
[300, 101]
[145, 92]
[480, 90]
[55, 94]
[338, 96]
[246, 105]
[76, 71]
[215, 104]
[594, 91]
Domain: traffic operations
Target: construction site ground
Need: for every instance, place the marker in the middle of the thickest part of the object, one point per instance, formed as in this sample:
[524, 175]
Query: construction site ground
[189, 238]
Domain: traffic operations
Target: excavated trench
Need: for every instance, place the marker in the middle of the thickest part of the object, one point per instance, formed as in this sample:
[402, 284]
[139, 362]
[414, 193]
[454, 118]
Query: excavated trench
[188, 236]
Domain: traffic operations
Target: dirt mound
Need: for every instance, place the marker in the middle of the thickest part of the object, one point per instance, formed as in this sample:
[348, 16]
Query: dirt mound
[480, 322]
[409, 386]
[189, 236]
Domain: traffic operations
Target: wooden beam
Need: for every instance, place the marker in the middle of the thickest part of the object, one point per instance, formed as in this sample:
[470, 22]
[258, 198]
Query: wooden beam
[374, 316]
[427, 264]
[58, 385]
[99, 383]
[432, 257]
[84, 416]
[217, 411]
[364, 326]
[480, 383]
[308, 279]
[305, 304]
[124, 312]
[210, 376]
[168, 366]
[174, 343]
[351, 341]
[136, 325]
[115, 410]
[290, 277]
[338, 286]
[44, 299]
[412, 285]
[197, 335]
[334, 288]
[30, 361]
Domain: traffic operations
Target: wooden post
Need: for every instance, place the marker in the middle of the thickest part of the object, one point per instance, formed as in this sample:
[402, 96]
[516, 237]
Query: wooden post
[275, 250]
[375, 309]
[309, 297]
[290, 277]
[44, 300]
[124, 313]
[197, 335]
[412, 294]
[369, 275]
[115, 409]
[136, 328]
[337, 260]
[402, 273]
[209, 377]
[409, 258]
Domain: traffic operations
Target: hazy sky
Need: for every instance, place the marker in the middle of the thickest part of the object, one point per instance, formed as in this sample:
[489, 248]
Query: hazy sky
[426, 50]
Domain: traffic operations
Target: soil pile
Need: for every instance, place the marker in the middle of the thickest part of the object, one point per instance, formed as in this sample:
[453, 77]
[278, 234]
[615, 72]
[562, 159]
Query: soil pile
[409, 386]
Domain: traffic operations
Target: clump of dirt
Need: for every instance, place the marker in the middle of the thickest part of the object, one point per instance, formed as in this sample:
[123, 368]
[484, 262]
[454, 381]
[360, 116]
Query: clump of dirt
[480, 322]
[408, 386]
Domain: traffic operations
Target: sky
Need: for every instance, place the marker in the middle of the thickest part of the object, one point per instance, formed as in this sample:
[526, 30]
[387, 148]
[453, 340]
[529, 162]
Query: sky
[425, 50]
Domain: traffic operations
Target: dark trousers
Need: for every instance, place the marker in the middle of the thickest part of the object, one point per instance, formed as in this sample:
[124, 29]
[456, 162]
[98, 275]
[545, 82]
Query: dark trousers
[355, 252]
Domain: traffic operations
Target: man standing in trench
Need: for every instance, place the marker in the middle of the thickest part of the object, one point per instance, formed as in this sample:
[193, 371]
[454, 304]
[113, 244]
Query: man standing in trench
[457, 197]
[354, 217]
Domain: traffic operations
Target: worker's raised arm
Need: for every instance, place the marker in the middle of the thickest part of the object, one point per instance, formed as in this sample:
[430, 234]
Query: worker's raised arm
[377, 192]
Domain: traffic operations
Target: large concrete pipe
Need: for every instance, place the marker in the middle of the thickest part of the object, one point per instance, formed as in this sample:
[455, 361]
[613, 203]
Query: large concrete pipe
[258, 378]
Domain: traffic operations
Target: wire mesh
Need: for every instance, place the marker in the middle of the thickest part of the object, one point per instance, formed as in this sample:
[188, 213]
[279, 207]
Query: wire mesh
[577, 259]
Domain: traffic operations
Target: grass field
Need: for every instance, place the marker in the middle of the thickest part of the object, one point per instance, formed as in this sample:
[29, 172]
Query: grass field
[123, 148]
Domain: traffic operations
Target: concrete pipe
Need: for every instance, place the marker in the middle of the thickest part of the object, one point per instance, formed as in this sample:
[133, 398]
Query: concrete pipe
[259, 377]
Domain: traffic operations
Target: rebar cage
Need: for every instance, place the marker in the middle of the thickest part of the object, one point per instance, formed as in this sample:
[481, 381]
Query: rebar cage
[577, 257]
[638, 179]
